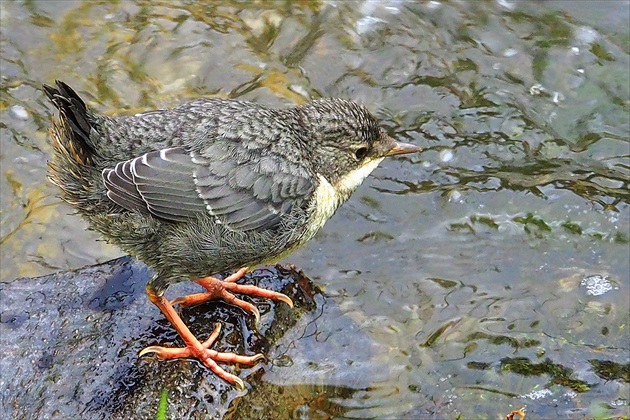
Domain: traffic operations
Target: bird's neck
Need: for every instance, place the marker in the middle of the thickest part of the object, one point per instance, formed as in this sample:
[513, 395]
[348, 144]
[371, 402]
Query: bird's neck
[349, 182]
[328, 197]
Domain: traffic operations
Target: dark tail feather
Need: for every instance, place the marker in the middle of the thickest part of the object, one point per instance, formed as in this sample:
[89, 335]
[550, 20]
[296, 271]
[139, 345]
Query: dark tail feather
[75, 124]
[75, 163]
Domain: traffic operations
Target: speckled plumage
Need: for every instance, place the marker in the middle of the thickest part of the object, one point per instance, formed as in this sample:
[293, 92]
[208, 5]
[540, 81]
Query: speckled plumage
[255, 163]
[210, 186]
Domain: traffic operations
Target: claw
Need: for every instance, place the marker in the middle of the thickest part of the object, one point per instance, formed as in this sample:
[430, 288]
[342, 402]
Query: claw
[286, 299]
[238, 383]
[150, 349]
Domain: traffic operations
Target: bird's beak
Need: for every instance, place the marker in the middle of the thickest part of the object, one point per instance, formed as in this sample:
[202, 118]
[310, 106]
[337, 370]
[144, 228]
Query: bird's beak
[403, 149]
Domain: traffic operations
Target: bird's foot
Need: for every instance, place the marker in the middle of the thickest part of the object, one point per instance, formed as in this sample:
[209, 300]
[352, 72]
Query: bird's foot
[208, 357]
[224, 289]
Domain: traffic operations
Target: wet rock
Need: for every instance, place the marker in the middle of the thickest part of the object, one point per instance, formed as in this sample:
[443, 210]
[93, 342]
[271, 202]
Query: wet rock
[321, 365]
[71, 340]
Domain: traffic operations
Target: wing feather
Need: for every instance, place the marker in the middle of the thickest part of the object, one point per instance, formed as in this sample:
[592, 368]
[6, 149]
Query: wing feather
[178, 185]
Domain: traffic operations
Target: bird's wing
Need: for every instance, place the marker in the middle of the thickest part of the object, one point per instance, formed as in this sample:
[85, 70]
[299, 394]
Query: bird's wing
[178, 185]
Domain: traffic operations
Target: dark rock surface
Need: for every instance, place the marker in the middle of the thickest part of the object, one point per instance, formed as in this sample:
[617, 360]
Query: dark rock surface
[70, 344]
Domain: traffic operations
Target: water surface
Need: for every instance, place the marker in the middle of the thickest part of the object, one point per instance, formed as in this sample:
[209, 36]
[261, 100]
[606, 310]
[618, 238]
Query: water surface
[490, 272]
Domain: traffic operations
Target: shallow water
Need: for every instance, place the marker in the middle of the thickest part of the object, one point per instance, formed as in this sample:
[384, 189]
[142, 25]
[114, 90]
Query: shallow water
[491, 272]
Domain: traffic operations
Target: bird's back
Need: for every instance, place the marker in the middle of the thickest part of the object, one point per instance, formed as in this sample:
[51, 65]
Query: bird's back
[193, 125]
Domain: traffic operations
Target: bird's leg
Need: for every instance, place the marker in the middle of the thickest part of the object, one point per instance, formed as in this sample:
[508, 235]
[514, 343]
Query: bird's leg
[224, 289]
[193, 347]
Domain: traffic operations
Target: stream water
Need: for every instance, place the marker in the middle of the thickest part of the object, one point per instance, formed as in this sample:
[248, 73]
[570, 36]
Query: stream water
[492, 270]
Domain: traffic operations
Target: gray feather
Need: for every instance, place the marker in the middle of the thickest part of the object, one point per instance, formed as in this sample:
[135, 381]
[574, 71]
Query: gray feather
[177, 185]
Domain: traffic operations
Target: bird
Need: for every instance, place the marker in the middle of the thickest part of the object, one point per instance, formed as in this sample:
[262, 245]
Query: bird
[212, 186]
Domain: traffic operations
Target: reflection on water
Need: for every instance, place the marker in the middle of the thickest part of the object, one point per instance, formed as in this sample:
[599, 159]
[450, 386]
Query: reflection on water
[470, 268]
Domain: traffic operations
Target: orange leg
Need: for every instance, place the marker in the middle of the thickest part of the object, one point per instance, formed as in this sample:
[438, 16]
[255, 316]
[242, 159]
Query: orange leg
[224, 289]
[193, 347]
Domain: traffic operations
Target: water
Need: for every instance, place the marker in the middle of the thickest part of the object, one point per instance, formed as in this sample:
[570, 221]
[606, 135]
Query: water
[467, 267]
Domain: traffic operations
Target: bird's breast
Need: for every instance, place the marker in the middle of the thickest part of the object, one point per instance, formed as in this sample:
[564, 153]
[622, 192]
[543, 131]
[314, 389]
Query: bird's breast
[325, 202]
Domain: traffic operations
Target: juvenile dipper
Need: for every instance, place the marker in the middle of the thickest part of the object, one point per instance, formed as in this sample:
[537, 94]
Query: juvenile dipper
[210, 186]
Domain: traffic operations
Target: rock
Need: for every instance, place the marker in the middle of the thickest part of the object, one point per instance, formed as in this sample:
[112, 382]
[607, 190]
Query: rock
[71, 341]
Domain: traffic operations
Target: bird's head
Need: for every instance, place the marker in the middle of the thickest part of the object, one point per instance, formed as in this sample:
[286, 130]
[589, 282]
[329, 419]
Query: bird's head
[347, 143]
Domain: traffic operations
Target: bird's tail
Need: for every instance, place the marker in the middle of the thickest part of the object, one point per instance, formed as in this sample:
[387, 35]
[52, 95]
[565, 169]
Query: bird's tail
[71, 133]
[73, 167]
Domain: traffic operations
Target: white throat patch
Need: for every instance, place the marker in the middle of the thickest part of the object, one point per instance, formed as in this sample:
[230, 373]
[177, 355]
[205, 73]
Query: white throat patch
[350, 182]
[327, 199]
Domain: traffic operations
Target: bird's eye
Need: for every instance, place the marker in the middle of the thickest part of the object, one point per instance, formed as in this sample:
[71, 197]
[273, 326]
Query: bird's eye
[361, 152]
